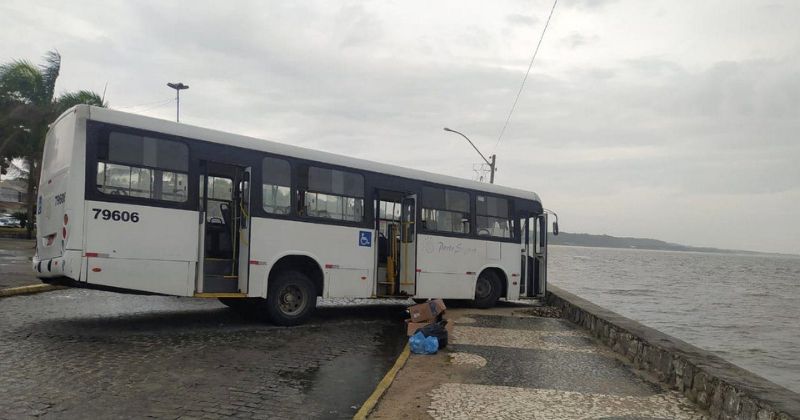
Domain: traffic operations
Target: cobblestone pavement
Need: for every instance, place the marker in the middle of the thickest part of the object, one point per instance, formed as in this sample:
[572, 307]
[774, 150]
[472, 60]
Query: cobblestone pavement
[15, 262]
[80, 354]
[530, 367]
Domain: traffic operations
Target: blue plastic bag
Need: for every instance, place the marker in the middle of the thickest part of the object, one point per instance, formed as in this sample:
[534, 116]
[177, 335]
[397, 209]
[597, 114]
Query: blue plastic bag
[431, 345]
[423, 345]
[417, 343]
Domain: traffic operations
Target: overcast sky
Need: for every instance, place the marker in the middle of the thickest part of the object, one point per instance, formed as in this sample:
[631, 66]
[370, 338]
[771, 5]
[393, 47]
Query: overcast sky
[676, 120]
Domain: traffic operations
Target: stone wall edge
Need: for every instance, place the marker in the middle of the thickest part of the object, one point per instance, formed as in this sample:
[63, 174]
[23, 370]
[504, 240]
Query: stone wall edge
[727, 391]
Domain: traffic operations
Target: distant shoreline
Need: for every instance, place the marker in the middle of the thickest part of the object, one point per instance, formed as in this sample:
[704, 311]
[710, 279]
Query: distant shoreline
[608, 241]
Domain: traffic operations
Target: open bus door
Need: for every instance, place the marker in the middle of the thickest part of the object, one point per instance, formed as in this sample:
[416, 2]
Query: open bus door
[540, 259]
[224, 230]
[533, 242]
[396, 256]
[408, 246]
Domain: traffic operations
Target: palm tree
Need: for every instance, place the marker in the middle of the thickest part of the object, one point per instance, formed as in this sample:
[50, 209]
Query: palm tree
[27, 105]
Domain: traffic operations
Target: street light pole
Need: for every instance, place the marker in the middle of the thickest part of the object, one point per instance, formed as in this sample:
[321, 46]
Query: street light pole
[178, 88]
[491, 162]
[491, 166]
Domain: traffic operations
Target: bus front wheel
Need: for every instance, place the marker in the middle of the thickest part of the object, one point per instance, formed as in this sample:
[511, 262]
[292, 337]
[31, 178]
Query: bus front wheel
[487, 290]
[291, 298]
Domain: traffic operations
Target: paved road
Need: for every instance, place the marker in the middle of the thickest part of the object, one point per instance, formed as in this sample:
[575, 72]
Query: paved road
[80, 354]
[15, 262]
[505, 363]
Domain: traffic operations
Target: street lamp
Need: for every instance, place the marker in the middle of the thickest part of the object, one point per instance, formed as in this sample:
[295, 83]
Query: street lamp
[178, 88]
[492, 157]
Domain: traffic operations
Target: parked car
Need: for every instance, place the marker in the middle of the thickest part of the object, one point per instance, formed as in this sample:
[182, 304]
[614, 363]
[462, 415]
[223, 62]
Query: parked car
[10, 222]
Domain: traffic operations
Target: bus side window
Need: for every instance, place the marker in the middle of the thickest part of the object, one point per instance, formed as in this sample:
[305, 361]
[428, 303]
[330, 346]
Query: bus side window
[334, 194]
[445, 210]
[143, 167]
[493, 218]
[276, 186]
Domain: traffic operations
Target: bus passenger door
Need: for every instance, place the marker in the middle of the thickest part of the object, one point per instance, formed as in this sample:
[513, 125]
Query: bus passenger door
[533, 243]
[526, 263]
[244, 228]
[408, 245]
[540, 248]
[534, 256]
[224, 229]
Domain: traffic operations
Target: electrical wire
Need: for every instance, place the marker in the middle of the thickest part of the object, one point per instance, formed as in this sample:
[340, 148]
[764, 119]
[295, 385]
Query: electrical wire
[159, 105]
[146, 105]
[522, 86]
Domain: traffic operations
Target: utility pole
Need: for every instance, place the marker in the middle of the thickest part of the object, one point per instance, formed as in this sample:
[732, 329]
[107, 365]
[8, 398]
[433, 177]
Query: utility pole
[178, 88]
[491, 162]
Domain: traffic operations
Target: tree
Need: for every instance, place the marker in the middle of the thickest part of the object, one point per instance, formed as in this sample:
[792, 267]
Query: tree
[27, 105]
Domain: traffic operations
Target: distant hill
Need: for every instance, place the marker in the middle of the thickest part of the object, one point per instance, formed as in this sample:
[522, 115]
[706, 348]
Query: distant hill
[607, 241]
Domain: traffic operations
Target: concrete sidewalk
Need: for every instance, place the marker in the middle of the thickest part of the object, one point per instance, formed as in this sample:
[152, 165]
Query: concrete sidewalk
[506, 363]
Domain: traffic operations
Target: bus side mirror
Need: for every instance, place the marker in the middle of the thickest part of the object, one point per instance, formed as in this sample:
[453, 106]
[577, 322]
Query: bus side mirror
[555, 228]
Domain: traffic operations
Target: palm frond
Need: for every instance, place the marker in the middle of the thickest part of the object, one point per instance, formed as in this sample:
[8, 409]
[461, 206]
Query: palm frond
[70, 99]
[21, 81]
[50, 71]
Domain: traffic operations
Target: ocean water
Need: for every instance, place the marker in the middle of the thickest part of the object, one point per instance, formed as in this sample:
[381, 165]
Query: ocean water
[744, 308]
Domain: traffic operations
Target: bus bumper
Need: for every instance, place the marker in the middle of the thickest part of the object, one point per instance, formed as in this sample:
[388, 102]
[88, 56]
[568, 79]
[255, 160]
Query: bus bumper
[67, 265]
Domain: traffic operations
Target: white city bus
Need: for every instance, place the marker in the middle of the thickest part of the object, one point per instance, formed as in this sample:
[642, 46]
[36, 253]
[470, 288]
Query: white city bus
[140, 205]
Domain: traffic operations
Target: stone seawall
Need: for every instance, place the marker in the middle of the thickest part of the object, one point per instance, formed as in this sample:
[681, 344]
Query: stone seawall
[724, 389]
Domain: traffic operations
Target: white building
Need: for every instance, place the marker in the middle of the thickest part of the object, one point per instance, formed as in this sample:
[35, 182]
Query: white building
[13, 193]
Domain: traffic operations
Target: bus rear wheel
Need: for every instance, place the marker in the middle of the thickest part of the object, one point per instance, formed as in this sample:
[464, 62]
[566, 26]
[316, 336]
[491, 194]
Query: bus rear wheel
[291, 298]
[487, 290]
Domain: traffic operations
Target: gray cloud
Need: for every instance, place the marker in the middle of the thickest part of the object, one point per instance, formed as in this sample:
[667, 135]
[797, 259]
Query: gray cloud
[586, 4]
[576, 39]
[521, 20]
[623, 134]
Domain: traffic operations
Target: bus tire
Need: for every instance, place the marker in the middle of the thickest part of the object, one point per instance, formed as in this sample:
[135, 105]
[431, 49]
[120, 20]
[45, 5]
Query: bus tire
[487, 290]
[291, 298]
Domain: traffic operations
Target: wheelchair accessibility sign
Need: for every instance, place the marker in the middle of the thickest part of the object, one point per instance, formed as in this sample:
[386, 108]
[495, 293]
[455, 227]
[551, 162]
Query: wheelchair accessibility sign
[364, 238]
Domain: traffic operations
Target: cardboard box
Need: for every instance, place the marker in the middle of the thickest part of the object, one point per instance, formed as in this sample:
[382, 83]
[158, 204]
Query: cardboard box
[412, 327]
[427, 312]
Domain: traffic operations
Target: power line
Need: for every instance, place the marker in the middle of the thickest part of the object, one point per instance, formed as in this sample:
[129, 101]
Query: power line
[147, 105]
[158, 105]
[522, 86]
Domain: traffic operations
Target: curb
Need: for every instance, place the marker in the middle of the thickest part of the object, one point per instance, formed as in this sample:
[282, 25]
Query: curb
[383, 385]
[28, 290]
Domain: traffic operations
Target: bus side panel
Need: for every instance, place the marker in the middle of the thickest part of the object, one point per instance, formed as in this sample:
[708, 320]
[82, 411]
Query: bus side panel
[166, 277]
[346, 263]
[449, 267]
[144, 248]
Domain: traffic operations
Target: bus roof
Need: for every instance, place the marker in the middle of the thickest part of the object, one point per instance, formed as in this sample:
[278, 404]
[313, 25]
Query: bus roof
[193, 132]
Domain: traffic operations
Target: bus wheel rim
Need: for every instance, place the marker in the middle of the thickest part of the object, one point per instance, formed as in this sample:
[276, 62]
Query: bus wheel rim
[291, 300]
[483, 288]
